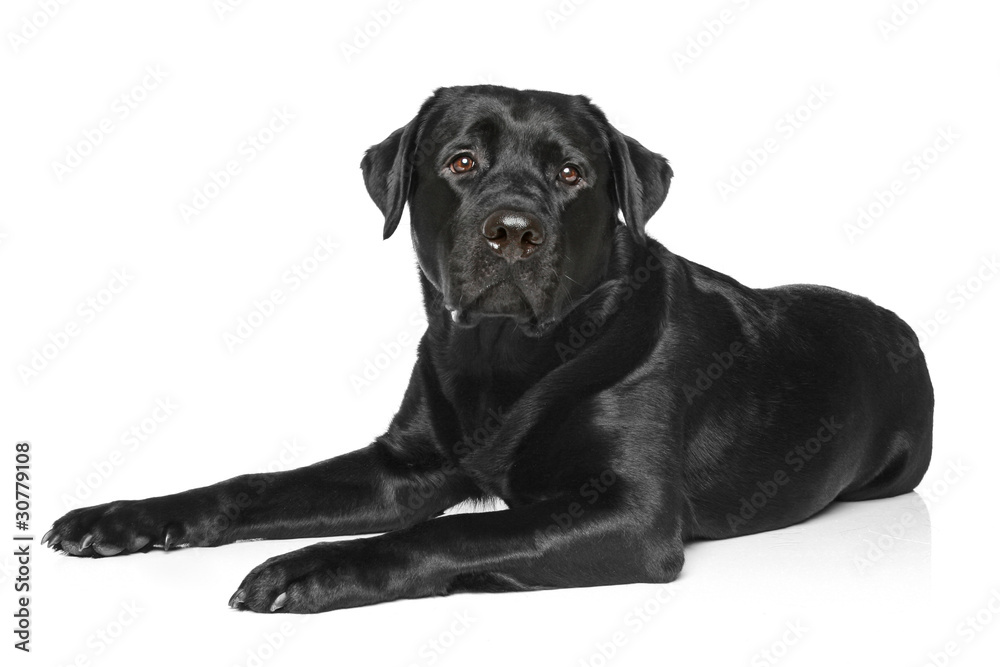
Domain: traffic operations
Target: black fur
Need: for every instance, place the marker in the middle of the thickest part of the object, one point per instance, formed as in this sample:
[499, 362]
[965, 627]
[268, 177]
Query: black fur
[618, 398]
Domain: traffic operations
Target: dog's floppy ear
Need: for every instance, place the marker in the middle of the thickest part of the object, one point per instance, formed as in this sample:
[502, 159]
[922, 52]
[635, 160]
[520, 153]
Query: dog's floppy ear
[642, 179]
[387, 169]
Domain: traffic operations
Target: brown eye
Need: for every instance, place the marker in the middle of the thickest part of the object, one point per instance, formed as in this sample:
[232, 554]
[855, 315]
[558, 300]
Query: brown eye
[462, 164]
[569, 175]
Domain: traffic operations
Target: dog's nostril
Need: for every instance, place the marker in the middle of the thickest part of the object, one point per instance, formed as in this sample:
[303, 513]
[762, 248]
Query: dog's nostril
[497, 234]
[512, 234]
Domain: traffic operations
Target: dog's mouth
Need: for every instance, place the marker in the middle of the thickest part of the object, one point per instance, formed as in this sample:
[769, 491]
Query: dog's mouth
[504, 299]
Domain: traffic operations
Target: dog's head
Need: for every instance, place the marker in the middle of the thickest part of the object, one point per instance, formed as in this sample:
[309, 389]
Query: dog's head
[513, 198]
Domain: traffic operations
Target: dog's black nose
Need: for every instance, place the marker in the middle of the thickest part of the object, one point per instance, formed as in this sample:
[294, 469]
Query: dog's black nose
[512, 234]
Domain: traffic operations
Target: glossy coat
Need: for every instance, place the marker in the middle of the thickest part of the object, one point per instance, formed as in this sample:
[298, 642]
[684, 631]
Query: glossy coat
[619, 399]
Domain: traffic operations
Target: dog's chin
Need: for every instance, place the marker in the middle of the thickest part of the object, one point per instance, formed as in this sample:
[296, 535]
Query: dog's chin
[529, 325]
[504, 302]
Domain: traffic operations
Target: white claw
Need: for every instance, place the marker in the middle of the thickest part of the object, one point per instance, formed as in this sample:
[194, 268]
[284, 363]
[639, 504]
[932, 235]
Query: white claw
[279, 602]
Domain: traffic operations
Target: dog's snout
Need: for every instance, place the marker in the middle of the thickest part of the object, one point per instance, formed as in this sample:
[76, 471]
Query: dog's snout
[513, 235]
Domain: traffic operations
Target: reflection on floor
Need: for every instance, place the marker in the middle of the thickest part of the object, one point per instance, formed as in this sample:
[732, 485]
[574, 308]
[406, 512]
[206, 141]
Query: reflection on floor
[848, 545]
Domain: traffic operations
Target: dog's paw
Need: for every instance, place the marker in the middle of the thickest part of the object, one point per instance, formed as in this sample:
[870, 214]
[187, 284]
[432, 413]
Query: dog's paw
[320, 577]
[114, 529]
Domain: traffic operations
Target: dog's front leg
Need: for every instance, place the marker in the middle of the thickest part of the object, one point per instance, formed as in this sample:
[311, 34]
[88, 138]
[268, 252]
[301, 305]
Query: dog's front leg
[551, 544]
[364, 491]
[402, 478]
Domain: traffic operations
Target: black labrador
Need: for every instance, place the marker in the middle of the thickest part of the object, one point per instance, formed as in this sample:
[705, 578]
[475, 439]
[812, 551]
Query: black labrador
[618, 398]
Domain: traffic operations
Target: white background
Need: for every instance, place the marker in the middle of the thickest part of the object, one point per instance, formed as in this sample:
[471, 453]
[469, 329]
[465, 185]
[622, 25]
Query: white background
[285, 398]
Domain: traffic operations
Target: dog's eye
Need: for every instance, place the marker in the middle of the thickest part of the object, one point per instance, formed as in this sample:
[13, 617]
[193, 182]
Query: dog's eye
[462, 163]
[569, 175]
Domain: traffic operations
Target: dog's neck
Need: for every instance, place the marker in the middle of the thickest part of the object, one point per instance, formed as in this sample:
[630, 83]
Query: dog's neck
[491, 364]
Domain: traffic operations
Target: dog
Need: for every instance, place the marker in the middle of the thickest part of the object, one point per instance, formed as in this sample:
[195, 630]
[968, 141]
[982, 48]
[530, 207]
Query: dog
[618, 398]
